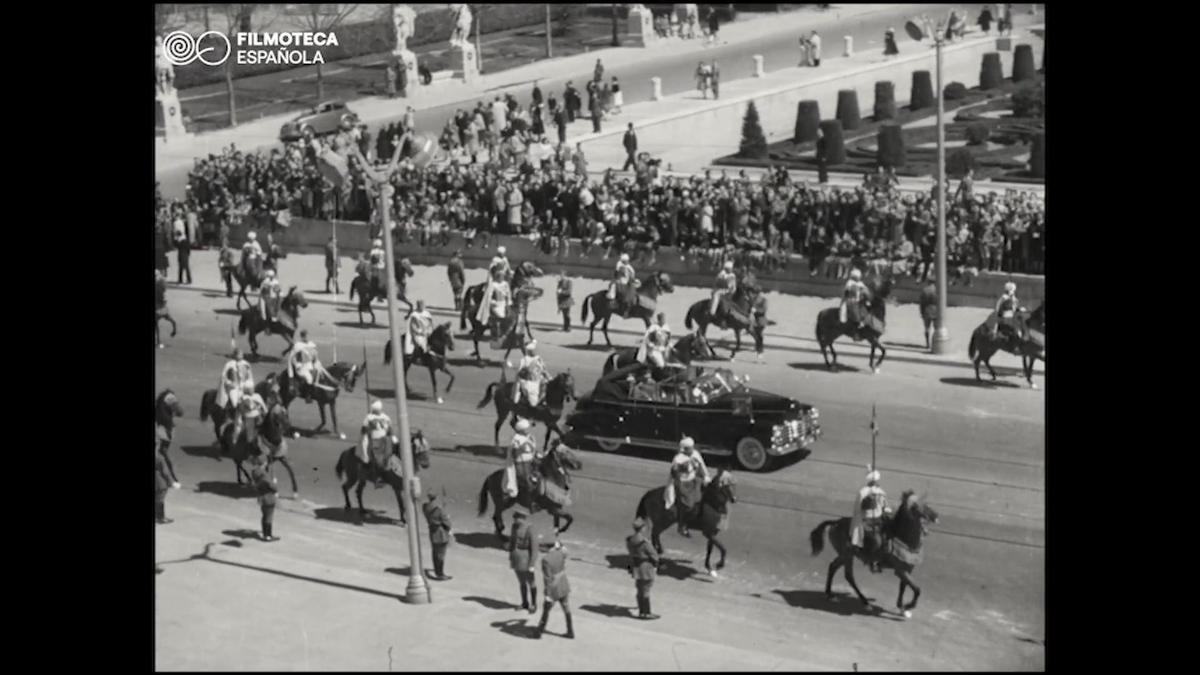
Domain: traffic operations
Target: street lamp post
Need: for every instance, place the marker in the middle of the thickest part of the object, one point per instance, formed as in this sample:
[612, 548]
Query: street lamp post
[941, 336]
[416, 593]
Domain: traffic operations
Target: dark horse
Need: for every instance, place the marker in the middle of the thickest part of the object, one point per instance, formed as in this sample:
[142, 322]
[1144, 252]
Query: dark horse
[656, 284]
[434, 359]
[369, 291]
[900, 551]
[160, 310]
[830, 327]
[555, 467]
[523, 291]
[1033, 347]
[344, 375]
[709, 516]
[268, 389]
[166, 408]
[559, 390]
[284, 324]
[356, 472]
[742, 300]
[269, 435]
[689, 348]
[247, 276]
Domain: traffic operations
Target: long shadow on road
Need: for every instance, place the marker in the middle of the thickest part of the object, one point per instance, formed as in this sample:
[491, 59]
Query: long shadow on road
[515, 628]
[979, 384]
[676, 568]
[491, 603]
[842, 604]
[820, 367]
[609, 610]
[339, 514]
[208, 451]
[480, 540]
[226, 489]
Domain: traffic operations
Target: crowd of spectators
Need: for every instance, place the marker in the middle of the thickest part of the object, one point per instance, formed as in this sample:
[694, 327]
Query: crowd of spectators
[504, 177]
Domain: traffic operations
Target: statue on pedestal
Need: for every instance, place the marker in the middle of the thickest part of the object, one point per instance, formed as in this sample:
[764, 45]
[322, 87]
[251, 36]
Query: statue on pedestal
[164, 73]
[403, 19]
[461, 34]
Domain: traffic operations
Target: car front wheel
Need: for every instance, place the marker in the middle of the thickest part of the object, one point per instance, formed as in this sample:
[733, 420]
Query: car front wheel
[609, 446]
[751, 454]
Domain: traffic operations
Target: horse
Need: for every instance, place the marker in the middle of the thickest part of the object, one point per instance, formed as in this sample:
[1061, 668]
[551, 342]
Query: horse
[555, 467]
[160, 310]
[1033, 347]
[434, 358]
[829, 326]
[239, 449]
[344, 375]
[268, 389]
[900, 550]
[272, 438]
[166, 408]
[523, 292]
[689, 348]
[742, 300]
[559, 390]
[357, 472]
[251, 278]
[710, 517]
[289, 308]
[656, 284]
[369, 291]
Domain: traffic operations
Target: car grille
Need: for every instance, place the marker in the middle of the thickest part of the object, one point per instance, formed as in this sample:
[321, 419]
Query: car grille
[799, 431]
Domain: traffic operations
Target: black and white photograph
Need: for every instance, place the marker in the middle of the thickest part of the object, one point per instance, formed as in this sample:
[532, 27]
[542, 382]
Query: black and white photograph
[599, 337]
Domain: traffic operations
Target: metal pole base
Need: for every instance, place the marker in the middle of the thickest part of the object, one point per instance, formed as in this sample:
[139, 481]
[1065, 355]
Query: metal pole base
[941, 341]
[416, 593]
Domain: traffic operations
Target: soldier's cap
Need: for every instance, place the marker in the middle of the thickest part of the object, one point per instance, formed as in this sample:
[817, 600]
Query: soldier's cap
[638, 523]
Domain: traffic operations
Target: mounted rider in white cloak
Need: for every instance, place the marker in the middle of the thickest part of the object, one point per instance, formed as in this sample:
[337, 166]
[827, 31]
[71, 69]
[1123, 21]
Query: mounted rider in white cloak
[688, 476]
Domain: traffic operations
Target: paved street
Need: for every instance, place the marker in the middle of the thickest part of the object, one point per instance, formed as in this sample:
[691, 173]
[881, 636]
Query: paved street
[976, 453]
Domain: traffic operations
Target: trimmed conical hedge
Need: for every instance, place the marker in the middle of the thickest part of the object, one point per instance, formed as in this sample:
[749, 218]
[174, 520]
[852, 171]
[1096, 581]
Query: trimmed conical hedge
[808, 118]
[1023, 63]
[835, 145]
[1037, 155]
[847, 109]
[885, 101]
[754, 143]
[990, 74]
[959, 162]
[922, 91]
[891, 145]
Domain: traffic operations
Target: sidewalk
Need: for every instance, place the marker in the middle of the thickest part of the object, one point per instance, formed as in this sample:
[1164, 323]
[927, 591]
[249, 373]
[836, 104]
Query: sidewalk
[375, 110]
[794, 316]
[328, 597]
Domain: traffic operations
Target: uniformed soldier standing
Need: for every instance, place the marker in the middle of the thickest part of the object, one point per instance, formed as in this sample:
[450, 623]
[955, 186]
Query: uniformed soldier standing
[565, 301]
[331, 266]
[558, 587]
[265, 486]
[162, 482]
[457, 278]
[439, 535]
[522, 556]
[643, 566]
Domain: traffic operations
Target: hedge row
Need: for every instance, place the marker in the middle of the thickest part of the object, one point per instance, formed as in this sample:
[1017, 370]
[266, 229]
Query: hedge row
[374, 37]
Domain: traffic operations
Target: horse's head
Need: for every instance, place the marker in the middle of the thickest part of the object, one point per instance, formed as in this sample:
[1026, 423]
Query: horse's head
[723, 487]
[277, 417]
[663, 281]
[167, 406]
[406, 267]
[913, 513]
[564, 455]
[527, 270]
[346, 374]
[295, 298]
[442, 339]
[268, 389]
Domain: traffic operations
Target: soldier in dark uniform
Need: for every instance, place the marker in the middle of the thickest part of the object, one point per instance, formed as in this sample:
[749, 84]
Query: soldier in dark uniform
[439, 536]
[457, 279]
[522, 556]
[558, 587]
[162, 482]
[758, 310]
[643, 566]
[265, 486]
[331, 266]
[565, 301]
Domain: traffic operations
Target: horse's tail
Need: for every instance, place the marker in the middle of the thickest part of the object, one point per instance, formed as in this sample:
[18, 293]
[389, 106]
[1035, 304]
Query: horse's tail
[205, 401]
[641, 507]
[609, 363]
[973, 347]
[340, 468]
[242, 322]
[387, 353]
[487, 396]
[483, 497]
[584, 310]
[687, 320]
[817, 536]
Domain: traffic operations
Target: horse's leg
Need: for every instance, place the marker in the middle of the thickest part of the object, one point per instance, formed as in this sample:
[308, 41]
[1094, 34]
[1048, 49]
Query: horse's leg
[592, 327]
[708, 556]
[988, 362]
[604, 329]
[978, 359]
[565, 516]
[333, 416]
[171, 321]
[853, 584]
[351, 477]
[900, 596]
[433, 378]
[833, 568]
[398, 488]
[906, 578]
[288, 465]
[878, 342]
[321, 410]
[362, 483]
[737, 343]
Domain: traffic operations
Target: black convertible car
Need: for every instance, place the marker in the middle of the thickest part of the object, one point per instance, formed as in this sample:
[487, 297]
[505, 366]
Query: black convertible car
[711, 405]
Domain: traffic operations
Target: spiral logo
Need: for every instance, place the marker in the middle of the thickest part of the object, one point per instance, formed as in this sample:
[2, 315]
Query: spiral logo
[181, 48]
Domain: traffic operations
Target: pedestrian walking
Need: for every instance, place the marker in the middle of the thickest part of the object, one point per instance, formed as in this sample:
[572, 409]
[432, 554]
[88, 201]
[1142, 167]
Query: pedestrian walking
[454, 270]
[565, 301]
[716, 81]
[804, 49]
[985, 20]
[618, 98]
[598, 73]
[643, 567]
[814, 52]
[537, 93]
[558, 588]
[331, 266]
[439, 535]
[264, 484]
[596, 112]
[162, 484]
[560, 123]
[522, 557]
[631, 146]
[183, 250]
[714, 24]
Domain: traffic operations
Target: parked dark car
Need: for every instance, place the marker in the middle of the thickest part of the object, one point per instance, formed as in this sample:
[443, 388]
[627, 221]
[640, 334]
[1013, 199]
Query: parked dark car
[712, 405]
[325, 118]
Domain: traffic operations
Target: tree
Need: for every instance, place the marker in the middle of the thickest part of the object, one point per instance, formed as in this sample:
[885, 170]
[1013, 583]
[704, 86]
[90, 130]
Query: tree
[616, 41]
[237, 16]
[549, 46]
[754, 143]
[324, 18]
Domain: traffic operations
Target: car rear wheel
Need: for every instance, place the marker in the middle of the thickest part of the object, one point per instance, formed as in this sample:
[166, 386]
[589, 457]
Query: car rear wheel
[609, 446]
[751, 454]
